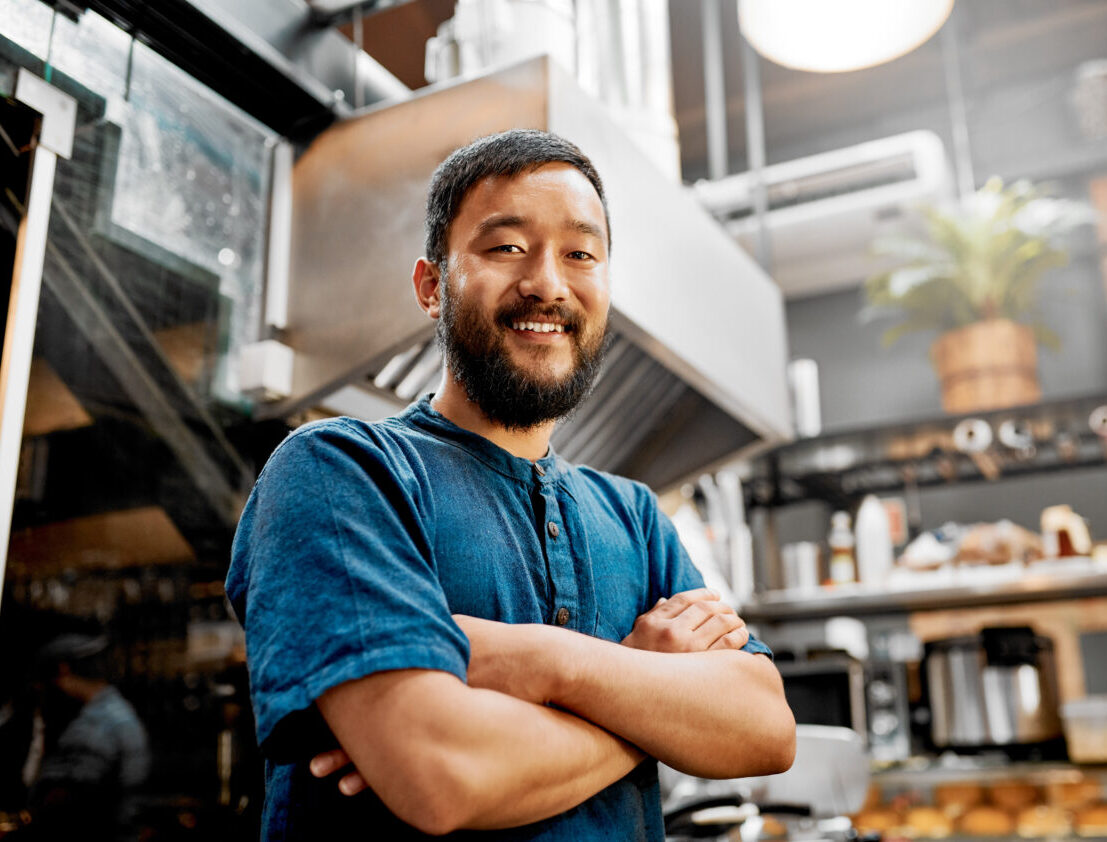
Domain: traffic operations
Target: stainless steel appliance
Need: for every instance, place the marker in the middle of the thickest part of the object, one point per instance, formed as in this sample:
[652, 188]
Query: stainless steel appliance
[997, 688]
[690, 378]
[869, 697]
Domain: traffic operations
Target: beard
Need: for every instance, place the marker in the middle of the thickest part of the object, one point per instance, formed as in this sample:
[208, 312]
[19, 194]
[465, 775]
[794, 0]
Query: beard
[478, 360]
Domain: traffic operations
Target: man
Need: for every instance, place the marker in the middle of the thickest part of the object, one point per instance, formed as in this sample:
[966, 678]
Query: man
[469, 615]
[96, 754]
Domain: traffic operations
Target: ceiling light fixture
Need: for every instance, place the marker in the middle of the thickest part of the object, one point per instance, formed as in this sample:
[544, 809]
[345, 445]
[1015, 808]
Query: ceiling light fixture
[831, 36]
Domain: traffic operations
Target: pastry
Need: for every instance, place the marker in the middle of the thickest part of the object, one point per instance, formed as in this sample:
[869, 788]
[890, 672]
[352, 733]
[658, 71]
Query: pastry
[1013, 795]
[877, 820]
[1042, 820]
[1092, 821]
[927, 823]
[986, 821]
[1073, 794]
[954, 799]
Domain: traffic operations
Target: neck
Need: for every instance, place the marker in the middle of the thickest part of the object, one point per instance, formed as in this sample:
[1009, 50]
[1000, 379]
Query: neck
[450, 400]
[82, 689]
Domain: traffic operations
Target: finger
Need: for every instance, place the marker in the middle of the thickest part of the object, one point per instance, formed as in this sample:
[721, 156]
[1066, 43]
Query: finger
[678, 602]
[329, 762]
[352, 784]
[698, 613]
[733, 640]
[717, 626]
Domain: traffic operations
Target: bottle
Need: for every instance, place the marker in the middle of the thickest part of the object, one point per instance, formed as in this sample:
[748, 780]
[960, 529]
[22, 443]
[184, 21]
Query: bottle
[842, 567]
[874, 542]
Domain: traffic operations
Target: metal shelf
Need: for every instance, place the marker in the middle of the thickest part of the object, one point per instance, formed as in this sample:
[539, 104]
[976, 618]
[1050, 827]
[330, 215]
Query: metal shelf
[985, 770]
[844, 466]
[1033, 586]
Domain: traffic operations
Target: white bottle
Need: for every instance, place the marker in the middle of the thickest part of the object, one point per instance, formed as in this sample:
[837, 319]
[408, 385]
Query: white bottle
[873, 542]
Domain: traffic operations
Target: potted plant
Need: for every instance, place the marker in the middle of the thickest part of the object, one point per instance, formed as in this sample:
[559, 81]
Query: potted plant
[975, 279]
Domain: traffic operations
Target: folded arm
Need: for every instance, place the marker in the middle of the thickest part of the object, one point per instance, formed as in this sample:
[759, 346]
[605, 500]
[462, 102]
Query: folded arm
[678, 687]
[718, 712]
[443, 755]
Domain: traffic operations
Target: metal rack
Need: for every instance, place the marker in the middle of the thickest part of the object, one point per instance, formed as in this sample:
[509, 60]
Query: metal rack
[840, 468]
[1036, 584]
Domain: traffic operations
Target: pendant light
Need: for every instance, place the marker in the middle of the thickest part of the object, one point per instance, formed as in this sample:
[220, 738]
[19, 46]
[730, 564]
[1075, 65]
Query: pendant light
[831, 36]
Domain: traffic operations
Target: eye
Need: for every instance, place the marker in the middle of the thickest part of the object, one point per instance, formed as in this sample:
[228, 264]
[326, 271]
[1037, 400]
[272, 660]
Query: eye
[580, 255]
[507, 248]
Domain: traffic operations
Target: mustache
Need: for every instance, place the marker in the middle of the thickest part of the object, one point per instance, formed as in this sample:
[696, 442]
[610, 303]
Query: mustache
[529, 311]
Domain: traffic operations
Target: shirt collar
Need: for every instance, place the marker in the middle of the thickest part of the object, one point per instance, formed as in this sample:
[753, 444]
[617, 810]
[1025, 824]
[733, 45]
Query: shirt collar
[425, 417]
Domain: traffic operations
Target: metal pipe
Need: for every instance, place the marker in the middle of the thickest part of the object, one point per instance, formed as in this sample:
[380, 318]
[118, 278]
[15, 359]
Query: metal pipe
[755, 150]
[958, 117]
[714, 90]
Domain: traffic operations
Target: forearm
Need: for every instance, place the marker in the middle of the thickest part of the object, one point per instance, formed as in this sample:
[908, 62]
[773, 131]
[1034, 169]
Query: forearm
[470, 757]
[718, 714]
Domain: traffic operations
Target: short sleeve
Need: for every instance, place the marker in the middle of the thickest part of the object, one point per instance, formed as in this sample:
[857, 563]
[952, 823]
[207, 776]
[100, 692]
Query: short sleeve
[332, 575]
[673, 567]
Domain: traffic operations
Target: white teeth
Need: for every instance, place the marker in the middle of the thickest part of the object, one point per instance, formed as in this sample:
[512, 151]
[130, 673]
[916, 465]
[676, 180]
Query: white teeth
[539, 327]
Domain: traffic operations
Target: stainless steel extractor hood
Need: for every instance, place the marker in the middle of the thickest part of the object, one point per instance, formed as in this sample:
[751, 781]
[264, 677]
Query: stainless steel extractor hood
[696, 373]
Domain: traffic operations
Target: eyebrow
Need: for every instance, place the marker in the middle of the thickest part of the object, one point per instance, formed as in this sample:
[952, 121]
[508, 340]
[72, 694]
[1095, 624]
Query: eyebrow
[495, 223]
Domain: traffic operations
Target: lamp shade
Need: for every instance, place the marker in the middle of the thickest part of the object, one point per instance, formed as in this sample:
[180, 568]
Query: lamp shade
[831, 36]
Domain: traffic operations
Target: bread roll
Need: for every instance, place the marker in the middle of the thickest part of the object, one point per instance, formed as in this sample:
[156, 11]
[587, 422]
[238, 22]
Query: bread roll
[1014, 795]
[955, 798]
[1072, 794]
[1092, 821]
[877, 820]
[927, 823]
[986, 821]
[1043, 820]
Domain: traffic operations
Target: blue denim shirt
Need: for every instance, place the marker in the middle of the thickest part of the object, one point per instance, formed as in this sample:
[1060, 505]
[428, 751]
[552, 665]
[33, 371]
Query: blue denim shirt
[358, 543]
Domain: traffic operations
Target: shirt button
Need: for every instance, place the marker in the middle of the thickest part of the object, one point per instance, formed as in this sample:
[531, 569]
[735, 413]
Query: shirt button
[553, 529]
[562, 615]
[538, 469]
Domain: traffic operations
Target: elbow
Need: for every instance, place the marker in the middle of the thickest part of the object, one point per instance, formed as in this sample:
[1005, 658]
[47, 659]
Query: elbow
[435, 797]
[778, 741]
[782, 752]
[772, 751]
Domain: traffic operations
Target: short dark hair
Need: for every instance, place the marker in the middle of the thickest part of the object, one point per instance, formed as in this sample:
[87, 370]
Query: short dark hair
[505, 154]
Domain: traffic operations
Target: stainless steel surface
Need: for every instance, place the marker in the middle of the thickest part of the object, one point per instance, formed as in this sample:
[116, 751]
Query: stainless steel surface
[1031, 587]
[958, 117]
[714, 92]
[755, 144]
[280, 228]
[683, 295]
[995, 689]
[320, 60]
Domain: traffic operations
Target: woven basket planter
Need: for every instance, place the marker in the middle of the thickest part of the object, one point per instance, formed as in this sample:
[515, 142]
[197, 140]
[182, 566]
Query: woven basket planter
[991, 364]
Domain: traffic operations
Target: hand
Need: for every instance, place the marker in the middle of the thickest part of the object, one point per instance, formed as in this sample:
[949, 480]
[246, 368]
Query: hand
[690, 621]
[329, 762]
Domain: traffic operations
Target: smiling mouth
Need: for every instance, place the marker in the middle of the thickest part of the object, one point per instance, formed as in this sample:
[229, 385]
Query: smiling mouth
[538, 327]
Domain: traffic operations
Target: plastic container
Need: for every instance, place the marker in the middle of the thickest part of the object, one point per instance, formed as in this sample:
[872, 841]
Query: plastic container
[873, 536]
[1085, 724]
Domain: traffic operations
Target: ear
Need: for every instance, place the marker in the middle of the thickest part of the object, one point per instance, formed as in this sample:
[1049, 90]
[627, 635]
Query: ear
[428, 287]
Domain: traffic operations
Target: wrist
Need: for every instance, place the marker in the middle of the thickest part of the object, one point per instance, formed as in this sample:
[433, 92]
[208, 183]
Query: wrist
[563, 653]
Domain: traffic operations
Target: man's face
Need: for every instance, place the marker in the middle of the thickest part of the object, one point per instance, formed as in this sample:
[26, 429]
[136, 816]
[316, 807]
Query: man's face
[525, 294]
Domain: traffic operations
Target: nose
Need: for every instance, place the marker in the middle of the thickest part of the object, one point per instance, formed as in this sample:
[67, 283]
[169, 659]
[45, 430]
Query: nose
[543, 277]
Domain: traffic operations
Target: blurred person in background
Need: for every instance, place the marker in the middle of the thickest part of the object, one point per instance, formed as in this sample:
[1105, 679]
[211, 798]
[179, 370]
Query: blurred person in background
[499, 640]
[94, 752]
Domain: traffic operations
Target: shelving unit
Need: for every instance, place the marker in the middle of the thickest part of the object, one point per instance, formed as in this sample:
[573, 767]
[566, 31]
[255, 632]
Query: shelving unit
[842, 467]
[1034, 583]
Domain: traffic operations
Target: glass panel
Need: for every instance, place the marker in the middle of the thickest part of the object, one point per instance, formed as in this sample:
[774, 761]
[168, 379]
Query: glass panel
[137, 450]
